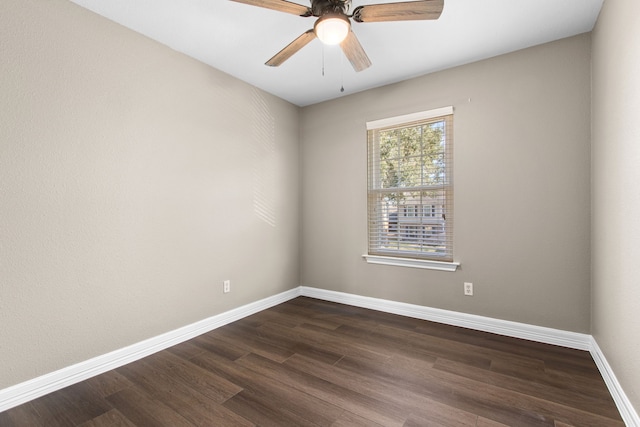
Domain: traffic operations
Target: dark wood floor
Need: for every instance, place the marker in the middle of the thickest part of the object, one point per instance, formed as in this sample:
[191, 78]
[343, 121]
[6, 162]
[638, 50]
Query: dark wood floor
[314, 363]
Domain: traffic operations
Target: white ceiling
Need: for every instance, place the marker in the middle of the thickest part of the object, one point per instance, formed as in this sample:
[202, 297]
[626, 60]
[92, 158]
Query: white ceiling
[238, 39]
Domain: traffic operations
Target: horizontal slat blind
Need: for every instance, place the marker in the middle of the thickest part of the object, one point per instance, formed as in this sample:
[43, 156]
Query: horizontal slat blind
[410, 188]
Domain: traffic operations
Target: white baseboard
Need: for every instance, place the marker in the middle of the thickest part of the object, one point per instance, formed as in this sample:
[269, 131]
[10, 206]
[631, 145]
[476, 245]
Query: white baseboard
[465, 320]
[502, 327]
[32, 389]
[39, 386]
[627, 412]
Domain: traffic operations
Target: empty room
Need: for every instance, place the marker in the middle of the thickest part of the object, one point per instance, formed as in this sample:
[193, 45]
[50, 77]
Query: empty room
[319, 213]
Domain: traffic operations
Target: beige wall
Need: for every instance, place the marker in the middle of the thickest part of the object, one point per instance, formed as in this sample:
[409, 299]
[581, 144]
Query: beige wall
[133, 180]
[522, 196]
[616, 191]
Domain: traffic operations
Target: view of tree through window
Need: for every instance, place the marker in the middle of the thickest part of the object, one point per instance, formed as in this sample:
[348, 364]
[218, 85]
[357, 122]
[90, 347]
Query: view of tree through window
[409, 190]
[413, 156]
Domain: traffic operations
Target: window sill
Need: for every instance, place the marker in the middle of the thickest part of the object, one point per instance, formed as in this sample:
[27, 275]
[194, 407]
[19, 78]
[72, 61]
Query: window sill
[409, 262]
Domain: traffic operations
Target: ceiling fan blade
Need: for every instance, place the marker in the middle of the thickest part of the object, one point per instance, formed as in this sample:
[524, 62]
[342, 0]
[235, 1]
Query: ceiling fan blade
[291, 48]
[355, 53]
[279, 5]
[404, 11]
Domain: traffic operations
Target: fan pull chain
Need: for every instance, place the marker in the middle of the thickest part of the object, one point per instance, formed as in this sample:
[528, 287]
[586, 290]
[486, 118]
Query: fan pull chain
[341, 73]
[323, 48]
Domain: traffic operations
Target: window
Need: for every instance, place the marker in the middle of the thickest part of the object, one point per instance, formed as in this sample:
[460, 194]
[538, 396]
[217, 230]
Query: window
[410, 189]
[431, 211]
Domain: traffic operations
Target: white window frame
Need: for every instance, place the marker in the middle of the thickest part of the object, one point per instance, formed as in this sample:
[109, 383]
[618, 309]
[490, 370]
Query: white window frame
[388, 257]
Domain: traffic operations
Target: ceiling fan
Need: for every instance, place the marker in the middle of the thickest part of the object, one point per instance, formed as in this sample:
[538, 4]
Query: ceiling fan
[333, 25]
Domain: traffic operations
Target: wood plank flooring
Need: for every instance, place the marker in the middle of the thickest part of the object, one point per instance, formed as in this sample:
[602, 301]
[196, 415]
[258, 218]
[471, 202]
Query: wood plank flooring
[314, 363]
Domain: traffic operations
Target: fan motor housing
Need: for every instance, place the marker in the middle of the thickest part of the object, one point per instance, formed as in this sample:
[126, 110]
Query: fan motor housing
[322, 7]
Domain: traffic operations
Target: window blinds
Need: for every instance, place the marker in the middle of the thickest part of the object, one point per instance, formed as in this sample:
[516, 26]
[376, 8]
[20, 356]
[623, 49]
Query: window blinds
[410, 188]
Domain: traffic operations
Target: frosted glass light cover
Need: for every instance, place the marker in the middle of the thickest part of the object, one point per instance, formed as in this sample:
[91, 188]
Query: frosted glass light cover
[332, 29]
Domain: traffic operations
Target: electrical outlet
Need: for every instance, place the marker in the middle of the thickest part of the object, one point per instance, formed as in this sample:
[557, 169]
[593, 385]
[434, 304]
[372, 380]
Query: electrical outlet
[226, 286]
[468, 288]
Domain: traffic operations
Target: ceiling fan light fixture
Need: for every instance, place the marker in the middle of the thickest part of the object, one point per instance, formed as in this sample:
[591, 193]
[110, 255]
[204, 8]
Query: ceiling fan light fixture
[332, 28]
